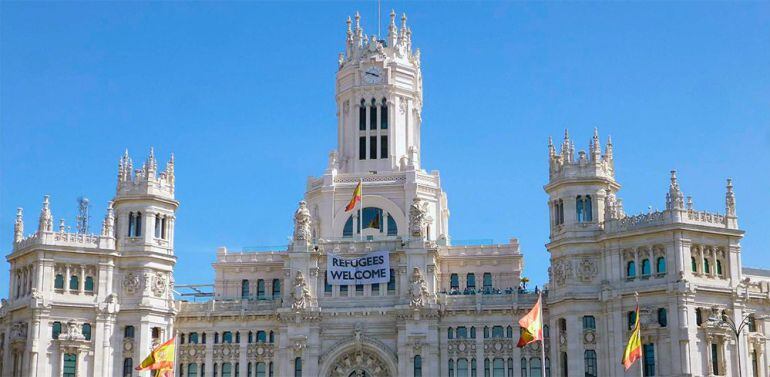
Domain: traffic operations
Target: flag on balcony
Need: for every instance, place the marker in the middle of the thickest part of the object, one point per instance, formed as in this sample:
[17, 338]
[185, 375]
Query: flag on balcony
[633, 350]
[355, 199]
[161, 360]
[532, 325]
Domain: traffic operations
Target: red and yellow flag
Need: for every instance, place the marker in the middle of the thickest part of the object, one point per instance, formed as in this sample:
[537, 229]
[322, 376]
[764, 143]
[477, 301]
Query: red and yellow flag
[161, 360]
[633, 350]
[355, 199]
[531, 325]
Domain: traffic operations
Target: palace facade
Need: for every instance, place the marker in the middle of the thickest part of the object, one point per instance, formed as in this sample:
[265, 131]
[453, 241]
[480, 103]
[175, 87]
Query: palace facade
[94, 305]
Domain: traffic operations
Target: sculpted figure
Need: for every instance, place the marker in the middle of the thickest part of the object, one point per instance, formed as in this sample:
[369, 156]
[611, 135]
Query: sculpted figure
[418, 290]
[302, 223]
[301, 293]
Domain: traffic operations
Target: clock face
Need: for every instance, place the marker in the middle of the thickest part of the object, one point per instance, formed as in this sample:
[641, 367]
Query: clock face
[373, 75]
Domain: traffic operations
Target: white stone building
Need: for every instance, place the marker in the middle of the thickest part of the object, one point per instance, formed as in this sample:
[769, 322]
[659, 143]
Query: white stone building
[94, 305]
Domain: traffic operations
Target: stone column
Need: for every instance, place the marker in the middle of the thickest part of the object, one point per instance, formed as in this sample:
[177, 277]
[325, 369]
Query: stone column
[209, 357]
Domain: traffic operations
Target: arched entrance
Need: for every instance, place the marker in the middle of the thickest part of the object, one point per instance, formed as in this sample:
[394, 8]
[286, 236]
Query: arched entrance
[361, 357]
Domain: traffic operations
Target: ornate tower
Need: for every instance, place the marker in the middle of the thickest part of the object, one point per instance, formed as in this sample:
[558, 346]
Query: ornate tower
[143, 212]
[580, 187]
[379, 99]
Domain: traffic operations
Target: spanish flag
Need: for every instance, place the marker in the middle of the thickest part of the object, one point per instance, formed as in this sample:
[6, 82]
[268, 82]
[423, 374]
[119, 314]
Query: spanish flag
[161, 360]
[531, 325]
[355, 199]
[633, 350]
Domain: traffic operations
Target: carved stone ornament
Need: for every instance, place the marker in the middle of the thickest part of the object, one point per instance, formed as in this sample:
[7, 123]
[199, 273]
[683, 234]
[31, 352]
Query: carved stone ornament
[18, 331]
[300, 293]
[302, 223]
[561, 271]
[158, 285]
[72, 332]
[418, 218]
[131, 283]
[418, 290]
[359, 364]
[587, 269]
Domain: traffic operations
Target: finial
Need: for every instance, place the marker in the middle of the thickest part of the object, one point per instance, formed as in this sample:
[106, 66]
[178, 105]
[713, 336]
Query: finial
[730, 199]
[392, 17]
[596, 133]
[609, 139]
[550, 141]
[403, 20]
[61, 226]
[348, 22]
[358, 20]
[18, 227]
[566, 134]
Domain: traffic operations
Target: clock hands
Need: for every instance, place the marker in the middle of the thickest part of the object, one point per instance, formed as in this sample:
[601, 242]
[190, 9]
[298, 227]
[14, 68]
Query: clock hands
[373, 74]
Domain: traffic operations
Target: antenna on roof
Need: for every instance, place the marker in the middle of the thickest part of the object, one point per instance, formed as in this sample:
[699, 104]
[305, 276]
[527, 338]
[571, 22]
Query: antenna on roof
[82, 218]
[379, 7]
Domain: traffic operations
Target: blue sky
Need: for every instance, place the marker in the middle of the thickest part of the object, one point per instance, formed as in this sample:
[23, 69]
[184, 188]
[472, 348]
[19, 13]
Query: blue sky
[243, 94]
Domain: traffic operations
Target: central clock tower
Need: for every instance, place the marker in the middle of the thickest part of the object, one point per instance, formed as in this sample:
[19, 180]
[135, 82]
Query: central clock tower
[379, 100]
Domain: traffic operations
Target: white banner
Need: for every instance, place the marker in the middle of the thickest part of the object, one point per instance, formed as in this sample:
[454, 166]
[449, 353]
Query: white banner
[371, 268]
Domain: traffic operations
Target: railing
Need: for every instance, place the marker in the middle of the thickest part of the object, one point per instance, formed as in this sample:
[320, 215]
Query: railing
[60, 239]
[220, 306]
[645, 220]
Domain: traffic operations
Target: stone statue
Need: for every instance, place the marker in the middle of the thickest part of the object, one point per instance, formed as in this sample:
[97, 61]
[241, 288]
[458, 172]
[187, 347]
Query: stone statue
[301, 293]
[418, 290]
[302, 223]
[72, 332]
[418, 218]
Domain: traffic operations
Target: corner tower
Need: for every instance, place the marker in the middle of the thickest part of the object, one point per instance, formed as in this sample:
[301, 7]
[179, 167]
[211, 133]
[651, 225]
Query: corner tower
[579, 187]
[379, 99]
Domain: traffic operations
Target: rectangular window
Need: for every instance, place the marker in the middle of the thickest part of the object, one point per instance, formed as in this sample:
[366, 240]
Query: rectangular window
[343, 290]
[362, 148]
[227, 370]
[70, 367]
[373, 117]
[89, 284]
[649, 359]
[359, 289]
[714, 359]
[392, 281]
[372, 147]
[384, 146]
[276, 289]
[327, 286]
[589, 323]
[376, 289]
[260, 289]
[59, 282]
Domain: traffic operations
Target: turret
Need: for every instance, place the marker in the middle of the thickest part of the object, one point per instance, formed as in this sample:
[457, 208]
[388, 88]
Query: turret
[579, 186]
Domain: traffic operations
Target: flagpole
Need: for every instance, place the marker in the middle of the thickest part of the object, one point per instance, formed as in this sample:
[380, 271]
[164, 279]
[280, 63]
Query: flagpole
[639, 323]
[542, 338]
[361, 211]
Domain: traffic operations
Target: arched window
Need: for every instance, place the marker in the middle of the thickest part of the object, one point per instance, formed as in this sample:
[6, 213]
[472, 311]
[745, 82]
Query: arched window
[261, 289]
[193, 338]
[535, 367]
[181, 338]
[579, 208]
[486, 332]
[89, 284]
[163, 227]
[487, 282]
[450, 334]
[706, 267]
[128, 332]
[590, 363]
[131, 224]
[473, 332]
[373, 116]
[251, 337]
[646, 267]
[693, 264]
[454, 281]
[271, 337]
[473, 367]
[462, 332]
[86, 330]
[157, 225]
[203, 338]
[227, 370]
[589, 322]
[546, 331]
[471, 281]
[227, 337]
[58, 282]
[56, 330]
[547, 367]
[451, 368]
[261, 337]
[70, 367]
[138, 225]
[260, 370]
[74, 282]
[462, 368]
[587, 208]
[498, 368]
[417, 366]
[698, 316]
[392, 281]
[719, 267]
[564, 371]
[244, 289]
[662, 317]
[128, 367]
[498, 332]
[631, 269]
[276, 289]
[362, 116]
[631, 319]
[509, 332]
[523, 367]
[561, 211]
[384, 114]
[660, 266]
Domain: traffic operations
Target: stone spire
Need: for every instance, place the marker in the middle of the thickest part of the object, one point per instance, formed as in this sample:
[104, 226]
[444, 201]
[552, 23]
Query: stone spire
[551, 149]
[595, 146]
[674, 197]
[608, 149]
[45, 224]
[109, 221]
[18, 227]
[392, 29]
[151, 166]
[730, 199]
